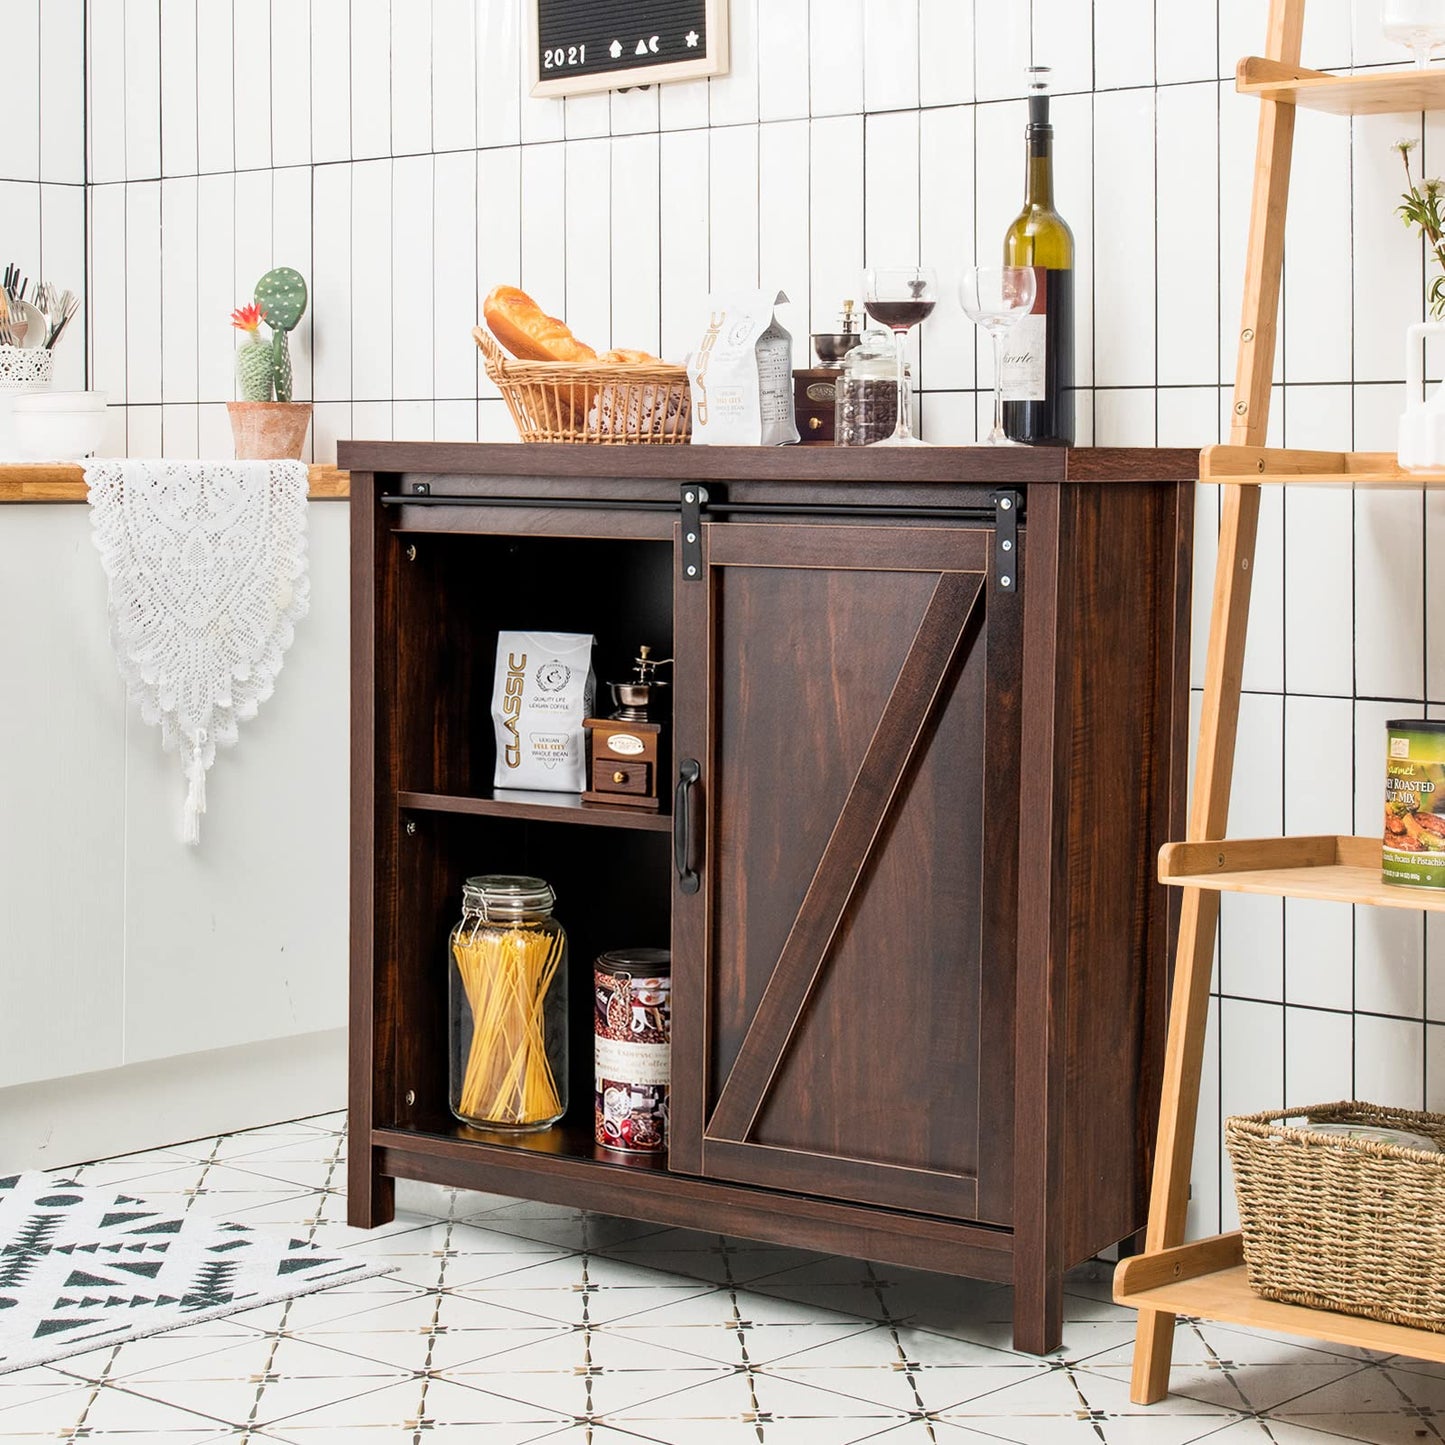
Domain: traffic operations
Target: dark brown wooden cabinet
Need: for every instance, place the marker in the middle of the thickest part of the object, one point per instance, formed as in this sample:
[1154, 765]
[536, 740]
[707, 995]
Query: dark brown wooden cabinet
[929, 731]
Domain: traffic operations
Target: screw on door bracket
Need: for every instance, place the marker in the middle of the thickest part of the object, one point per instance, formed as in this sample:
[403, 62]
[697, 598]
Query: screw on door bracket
[694, 499]
[411, 827]
[1006, 508]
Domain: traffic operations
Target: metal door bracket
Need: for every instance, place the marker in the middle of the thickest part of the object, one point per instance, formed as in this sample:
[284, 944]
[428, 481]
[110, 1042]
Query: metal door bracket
[694, 499]
[1006, 507]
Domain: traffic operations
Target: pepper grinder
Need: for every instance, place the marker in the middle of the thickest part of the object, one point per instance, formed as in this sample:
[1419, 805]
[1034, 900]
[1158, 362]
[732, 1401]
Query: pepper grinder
[625, 753]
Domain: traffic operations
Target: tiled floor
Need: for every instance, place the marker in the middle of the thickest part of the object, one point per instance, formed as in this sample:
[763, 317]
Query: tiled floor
[509, 1322]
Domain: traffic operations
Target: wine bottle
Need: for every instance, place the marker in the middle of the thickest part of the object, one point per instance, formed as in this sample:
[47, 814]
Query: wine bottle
[1038, 361]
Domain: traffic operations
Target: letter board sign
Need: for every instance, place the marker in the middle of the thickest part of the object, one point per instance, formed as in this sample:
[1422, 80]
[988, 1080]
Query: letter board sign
[587, 45]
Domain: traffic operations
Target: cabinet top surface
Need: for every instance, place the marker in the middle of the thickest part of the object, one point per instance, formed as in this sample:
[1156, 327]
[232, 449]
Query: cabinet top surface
[979, 464]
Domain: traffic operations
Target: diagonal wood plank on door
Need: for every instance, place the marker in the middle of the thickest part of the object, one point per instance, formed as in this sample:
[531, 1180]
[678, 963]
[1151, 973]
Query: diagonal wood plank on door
[885, 764]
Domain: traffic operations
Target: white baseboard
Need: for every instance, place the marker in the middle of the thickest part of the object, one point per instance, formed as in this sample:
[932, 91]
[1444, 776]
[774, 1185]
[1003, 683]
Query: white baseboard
[67, 1121]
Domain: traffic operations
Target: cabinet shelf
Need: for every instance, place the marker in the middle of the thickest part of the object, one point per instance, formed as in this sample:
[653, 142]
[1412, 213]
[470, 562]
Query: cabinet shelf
[1381, 92]
[1290, 466]
[1207, 1278]
[536, 808]
[1337, 869]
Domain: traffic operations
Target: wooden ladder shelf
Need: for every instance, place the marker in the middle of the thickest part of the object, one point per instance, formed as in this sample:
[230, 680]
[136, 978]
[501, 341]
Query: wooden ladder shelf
[1207, 1277]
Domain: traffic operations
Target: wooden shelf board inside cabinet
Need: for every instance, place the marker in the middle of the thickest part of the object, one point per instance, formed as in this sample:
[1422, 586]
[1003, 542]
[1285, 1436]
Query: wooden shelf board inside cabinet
[1207, 1278]
[1293, 467]
[1377, 92]
[566, 1140]
[1336, 869]
[537, 808]
[65, 482]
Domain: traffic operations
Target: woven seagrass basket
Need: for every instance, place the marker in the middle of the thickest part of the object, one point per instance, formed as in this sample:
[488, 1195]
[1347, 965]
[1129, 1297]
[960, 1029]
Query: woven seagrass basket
[567, 401]
[1339, 1223]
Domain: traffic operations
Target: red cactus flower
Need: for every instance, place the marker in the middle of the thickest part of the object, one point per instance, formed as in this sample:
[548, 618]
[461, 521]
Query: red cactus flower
[247, 318]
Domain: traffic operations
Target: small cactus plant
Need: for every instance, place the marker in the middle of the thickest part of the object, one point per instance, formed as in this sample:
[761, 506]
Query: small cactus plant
[281, 295]
[254, 358]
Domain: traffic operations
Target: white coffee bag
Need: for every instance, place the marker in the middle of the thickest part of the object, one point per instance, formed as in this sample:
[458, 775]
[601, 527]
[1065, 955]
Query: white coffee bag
[543, 689]
[742, 373]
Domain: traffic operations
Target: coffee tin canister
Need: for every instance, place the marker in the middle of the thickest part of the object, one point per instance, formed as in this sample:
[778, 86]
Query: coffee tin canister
[632, 1021]
[1414, 851]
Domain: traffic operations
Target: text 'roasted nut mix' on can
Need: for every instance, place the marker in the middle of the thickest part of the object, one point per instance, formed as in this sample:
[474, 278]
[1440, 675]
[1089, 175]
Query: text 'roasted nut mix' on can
[1414, 851]
[632, 1021]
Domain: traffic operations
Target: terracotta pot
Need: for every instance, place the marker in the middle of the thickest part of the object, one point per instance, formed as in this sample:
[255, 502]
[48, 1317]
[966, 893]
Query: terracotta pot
[269, 430]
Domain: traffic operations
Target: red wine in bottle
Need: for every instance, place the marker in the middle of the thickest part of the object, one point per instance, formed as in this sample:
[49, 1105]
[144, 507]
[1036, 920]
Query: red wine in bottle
[1038, 359]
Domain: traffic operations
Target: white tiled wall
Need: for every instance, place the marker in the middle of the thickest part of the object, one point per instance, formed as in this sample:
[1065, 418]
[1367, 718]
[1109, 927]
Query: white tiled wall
[386, 148]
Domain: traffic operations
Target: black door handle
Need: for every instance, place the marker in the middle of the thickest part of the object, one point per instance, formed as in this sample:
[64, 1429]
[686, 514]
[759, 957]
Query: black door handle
[688, 879]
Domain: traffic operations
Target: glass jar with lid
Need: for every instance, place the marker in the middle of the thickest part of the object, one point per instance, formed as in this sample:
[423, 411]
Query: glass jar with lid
[508, 1005]
[866, 408]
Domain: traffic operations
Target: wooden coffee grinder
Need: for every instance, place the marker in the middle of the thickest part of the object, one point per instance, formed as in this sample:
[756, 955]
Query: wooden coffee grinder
[625, 754]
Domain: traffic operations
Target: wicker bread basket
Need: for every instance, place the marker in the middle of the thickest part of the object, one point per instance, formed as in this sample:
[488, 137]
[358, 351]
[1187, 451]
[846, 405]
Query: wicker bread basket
[566, 401]
[1341, 1223]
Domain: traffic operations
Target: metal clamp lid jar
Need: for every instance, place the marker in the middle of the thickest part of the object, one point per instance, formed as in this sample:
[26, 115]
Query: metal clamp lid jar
[508, 1006]
[867, 392]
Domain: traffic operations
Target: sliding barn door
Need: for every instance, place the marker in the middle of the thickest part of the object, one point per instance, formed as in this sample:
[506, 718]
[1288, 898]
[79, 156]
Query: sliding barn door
[846, 843]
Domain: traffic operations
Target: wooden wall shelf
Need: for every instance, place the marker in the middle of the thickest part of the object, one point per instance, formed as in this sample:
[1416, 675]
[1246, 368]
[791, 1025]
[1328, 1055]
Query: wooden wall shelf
[1290, 466]
[1381, 92]
[65, 482]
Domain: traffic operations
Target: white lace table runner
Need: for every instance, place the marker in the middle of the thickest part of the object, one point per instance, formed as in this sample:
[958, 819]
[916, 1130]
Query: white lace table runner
[206, 564]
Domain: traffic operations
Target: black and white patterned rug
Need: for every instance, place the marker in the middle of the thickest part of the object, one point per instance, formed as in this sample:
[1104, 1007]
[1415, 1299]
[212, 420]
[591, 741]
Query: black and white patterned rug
[83, 1266]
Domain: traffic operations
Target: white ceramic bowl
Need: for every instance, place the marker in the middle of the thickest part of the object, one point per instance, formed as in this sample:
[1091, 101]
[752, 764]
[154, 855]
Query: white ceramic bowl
[59, 425]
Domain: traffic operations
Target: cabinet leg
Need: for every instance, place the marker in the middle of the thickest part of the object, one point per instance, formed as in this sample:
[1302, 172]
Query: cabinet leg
[1038, 1311]
[370, 1197]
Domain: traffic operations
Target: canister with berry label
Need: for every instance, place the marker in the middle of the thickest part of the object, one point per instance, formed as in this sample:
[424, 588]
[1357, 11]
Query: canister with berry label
[632, 1021]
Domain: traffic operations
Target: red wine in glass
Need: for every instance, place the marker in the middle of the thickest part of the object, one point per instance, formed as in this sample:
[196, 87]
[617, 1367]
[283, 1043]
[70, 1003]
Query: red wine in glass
[900, 315]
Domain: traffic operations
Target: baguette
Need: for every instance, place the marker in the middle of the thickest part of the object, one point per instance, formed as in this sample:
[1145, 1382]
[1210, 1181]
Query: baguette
[528, 332]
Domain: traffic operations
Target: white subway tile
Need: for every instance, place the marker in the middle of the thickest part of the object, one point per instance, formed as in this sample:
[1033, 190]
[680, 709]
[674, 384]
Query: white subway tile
[783, 226]
[1204, 1214]
[215, 88]
[1186, 41]
[1388, 276]
[636, 248]
[1435, 1068]
[180, 432]
[142, 89]
[455, 421]
[945, 224]
[106, 113]
[143, 431]
[454, 75]
[292, 210]
[1389, 946]
[588, 293]
[180, 312]
[1189, 417]
[947, 418]
[890, 189]
[62, 262]
[254, 245]
[1124, 43]
[1319, 1056]
[683, 105]
[543, 117]
[331, 293]
[1073, 121]
[586, 116]
[290, 82]
[732, 99]
[499, 80]
[543, 255]
[1389, 594]
[252, 79]
[411, 60]
[1063, 40]
[330, 80]
[890, 55]
[216, 294]
[1434, 582]
[20, 206]
[1124, 255]
[412, 277]
[1319, 748]
[1389, 1060]
[371, 293]
[214, 438]
[1319, 614]
[1187, 235]
[494, 421]
[1124, 417]
[1319, 954]
[1316, 307]
[180, 85]
[499, 229]
[1206, 556]
[782, 52]
[1251, 1070]
[835, 57]
[684, 241]
[330, 423]
[456, 307]
[143, 291]
[1264, 650]
[371, 81]
[945, 52]
[634, 111]
[62, 91]
[733, 218]
[836, 207]
[1001, 46]
[413, 421]
[372, 421]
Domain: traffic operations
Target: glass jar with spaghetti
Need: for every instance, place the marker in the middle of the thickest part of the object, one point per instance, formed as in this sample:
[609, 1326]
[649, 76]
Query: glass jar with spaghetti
[508, 1006]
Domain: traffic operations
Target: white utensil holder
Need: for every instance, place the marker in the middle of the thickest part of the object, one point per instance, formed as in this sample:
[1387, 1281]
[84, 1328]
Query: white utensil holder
[22, 368]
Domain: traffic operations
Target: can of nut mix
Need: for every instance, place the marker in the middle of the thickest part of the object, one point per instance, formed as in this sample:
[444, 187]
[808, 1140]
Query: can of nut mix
[632, 1024]
[1414, 851]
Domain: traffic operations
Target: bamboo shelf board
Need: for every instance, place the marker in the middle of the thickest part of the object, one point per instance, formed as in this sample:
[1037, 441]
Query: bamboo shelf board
[1280, 466]
[1336, 869]
[1379, 92]
[1223, 1294]
[65, 482]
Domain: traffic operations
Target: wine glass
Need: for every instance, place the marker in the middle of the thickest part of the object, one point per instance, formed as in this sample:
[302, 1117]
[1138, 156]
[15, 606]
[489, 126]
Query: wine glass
[1419, 25]
[997, 298]
[900, 297]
